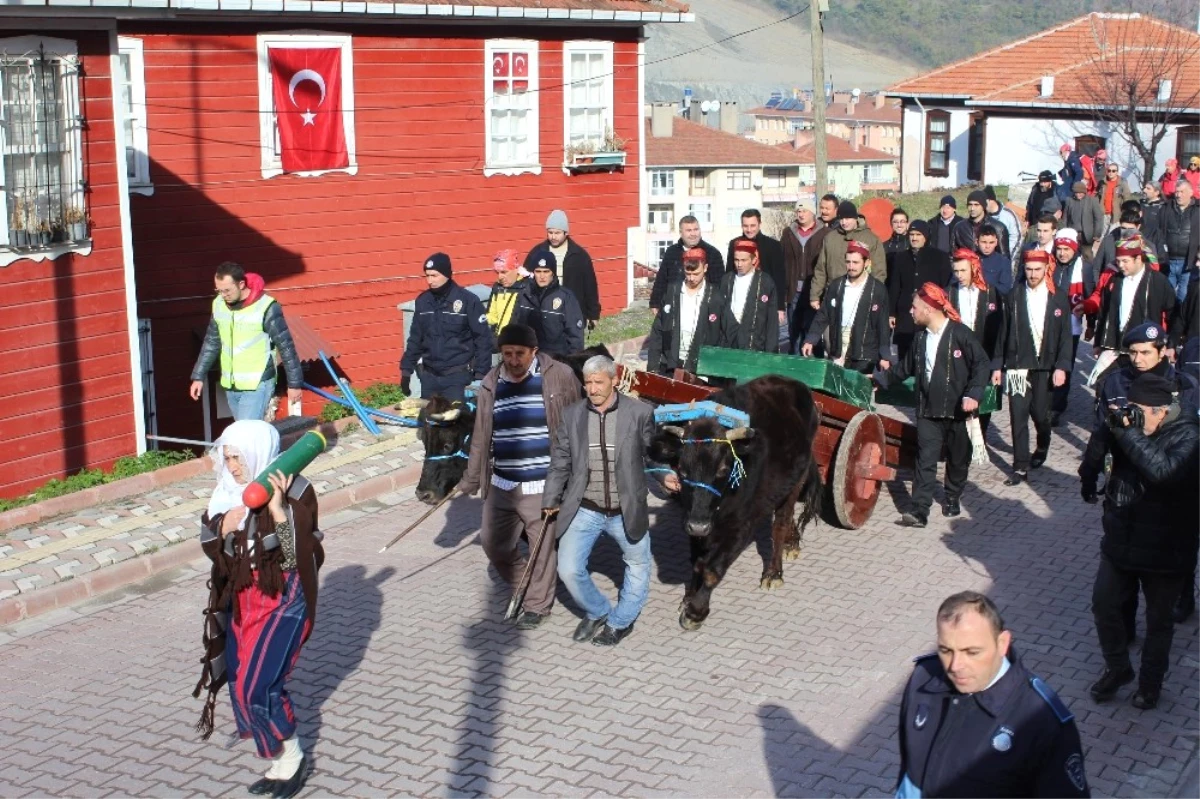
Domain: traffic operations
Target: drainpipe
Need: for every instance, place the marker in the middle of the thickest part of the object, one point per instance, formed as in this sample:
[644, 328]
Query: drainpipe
[921, 141]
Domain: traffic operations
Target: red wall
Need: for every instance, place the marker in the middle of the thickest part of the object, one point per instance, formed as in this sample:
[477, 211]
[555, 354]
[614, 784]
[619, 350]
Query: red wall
[67, 401]
[343, 250]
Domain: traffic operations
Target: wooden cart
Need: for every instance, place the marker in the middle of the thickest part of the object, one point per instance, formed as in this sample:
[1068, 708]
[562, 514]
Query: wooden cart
[856, 448]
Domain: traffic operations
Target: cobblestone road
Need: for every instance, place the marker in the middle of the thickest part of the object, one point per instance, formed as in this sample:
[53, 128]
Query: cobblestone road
[412, 686]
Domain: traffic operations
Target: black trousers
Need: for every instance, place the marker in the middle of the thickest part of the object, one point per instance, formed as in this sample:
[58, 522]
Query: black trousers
[1034, 404]
[449, 385]
[802, 316]
[903, 342]
[1112, 593]
[931, 435]
[1063, 392]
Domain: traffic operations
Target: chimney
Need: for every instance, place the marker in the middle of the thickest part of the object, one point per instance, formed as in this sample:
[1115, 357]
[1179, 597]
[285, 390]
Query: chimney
[808, 104]
[850, 108]
[662, 120]
[854, 134]
[729, 117]
[841, 97]
[880, 99]
[1047, 87]
[803, 137]
[694, 111]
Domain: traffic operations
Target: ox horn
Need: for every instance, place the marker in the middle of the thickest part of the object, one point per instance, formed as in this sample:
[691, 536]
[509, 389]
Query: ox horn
[678, 432]
[447, 416]
[413, 403]
[739, 433]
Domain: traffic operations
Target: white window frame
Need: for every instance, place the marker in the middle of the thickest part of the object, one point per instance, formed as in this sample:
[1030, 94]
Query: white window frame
[667, 178]
[775, 177]
[872, 173]
[139, 182]
[738, 180]
[808, 174]
[533, 166]
[706, 218]
[698, 179]
[272, 162]
[656, 250]
[68, 50]
[588, 47]
[733, 216]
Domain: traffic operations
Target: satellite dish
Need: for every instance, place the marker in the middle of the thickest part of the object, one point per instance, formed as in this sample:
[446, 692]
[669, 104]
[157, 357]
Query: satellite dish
[708, 106]
[855, 92]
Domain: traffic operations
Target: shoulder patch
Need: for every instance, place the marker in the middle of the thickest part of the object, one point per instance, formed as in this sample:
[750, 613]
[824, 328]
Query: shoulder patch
[1047, 693]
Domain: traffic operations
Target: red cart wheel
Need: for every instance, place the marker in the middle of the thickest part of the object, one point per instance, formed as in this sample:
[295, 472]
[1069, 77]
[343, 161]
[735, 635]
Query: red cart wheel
[858, 470]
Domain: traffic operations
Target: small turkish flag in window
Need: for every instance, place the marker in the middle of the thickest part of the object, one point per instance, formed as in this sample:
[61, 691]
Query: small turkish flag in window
[307, 86]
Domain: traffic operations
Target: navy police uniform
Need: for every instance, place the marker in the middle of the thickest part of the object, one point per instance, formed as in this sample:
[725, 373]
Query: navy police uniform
[1016, 738]
[450, 337]
[553, 312]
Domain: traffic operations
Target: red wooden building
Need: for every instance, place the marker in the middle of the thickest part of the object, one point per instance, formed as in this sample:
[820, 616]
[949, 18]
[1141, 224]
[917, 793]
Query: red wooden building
[462, 127]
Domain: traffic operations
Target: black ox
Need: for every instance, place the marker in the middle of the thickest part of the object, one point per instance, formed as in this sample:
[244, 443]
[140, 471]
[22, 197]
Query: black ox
[724, 504]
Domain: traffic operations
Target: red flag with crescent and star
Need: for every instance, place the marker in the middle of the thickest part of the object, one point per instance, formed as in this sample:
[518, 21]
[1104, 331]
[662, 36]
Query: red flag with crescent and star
[307, 85]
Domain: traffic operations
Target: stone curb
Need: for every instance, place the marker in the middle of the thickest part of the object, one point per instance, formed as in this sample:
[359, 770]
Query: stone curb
[38, 512]
[127, 572]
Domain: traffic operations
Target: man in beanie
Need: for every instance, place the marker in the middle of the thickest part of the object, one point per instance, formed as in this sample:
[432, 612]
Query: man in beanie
[1042, 191]
[910, 270]
[520, 405]
[694, 314]
[551, 310]
[450, 343]
[948, 231]
[751, 297]
[1134, 295]
[670, 266]
[1037, 351]
[951, 371]
[1150, 522]
[575, 268]
[831, 263]
[510, 282]
[977, 216]
[1001, 216]
[1071, 173]
[770, 259]
[1084, 213]
[855, 312]
[1072, 279]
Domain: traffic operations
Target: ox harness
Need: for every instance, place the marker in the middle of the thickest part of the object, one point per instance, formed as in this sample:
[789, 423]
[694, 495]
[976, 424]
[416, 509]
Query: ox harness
[462, 451]
[736, 475]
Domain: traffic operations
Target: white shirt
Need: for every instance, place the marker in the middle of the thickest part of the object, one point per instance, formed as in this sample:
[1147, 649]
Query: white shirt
[968, 302]
[741, 290]
[851, 297]
[933, 340]
[689, 316]
[1129, 289]
[1035, 302]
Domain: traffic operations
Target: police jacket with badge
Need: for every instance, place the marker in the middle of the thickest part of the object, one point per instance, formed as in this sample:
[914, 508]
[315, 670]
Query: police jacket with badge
[554, 314]
[960, 369]
[450, 333]
[578, 275]
[713, 325]
[1015, 738]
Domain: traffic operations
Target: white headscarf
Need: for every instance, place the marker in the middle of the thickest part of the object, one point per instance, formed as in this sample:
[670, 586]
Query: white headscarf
[257, 444]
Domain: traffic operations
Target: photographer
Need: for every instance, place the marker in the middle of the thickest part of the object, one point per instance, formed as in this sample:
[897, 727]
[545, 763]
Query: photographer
[1149, 535]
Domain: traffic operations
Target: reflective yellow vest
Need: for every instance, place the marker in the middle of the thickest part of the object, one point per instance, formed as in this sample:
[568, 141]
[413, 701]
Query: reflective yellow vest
[245, 346]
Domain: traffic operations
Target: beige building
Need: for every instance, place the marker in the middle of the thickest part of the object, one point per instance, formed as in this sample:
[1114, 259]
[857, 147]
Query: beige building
[870, 121]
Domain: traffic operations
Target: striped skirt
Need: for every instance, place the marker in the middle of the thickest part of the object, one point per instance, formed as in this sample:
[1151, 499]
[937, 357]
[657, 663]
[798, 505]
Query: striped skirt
[261, 650]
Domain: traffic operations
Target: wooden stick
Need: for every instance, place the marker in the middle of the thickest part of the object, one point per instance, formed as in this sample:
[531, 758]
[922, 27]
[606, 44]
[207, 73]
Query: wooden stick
[518, 597]
[424, 516]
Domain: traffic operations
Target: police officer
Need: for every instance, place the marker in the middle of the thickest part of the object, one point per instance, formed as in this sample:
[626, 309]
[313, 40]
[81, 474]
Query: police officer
[974, 722]
[550, 309]
[450, 336]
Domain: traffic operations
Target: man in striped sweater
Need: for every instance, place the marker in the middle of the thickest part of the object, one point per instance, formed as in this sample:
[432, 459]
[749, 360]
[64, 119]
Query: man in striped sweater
[520, 405]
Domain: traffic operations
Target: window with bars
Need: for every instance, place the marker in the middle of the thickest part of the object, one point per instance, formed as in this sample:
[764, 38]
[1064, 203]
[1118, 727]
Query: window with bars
[937, 144]
[512, 107]
[588, 99]
[41, 149]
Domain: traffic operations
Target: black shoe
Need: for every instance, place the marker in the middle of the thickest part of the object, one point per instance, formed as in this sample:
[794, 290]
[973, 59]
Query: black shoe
[285, 789]
[1146, 698]
[1106, 687]
[913, 519]
[588, 628]
[530, 620]
[1038, 458]
[1017, 478]
[952, 508]
[264, 786]
[610, 637]
[1185, 606]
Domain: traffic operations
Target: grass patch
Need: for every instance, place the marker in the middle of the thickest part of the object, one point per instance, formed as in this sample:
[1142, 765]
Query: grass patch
[630, 323]
[925, 204]
[90, 478]
[376, 395]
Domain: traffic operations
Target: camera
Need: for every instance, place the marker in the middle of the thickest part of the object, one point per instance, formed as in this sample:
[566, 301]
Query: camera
[1131, 414]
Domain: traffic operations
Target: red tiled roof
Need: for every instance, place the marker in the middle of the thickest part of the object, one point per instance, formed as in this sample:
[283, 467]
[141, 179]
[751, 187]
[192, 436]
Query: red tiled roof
[1094, 44]
[694, 145]
[838, 151]
[863, 112]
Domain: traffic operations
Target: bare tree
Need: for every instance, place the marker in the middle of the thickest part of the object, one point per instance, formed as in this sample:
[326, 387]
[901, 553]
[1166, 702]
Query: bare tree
[1144, 76]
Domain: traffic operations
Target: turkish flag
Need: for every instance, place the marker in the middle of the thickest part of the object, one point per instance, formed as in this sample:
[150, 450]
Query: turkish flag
[307, 85]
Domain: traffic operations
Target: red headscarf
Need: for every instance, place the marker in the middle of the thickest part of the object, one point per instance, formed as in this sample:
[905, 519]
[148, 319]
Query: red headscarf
[963, 254]
[745, 245]
[935, 296]
[1040, 256]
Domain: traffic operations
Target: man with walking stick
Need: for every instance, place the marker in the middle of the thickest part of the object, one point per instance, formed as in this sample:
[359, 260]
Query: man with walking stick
[520, 407]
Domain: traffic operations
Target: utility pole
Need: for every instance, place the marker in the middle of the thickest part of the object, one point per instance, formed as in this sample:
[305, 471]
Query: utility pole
[816, 7]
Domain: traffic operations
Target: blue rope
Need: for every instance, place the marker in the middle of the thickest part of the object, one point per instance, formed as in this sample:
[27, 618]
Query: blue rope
[459, 454]
[738, 473]
[692, 483]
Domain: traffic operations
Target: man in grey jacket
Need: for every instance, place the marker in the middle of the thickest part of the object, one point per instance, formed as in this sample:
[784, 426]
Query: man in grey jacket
[597, 483]
[1083, 212]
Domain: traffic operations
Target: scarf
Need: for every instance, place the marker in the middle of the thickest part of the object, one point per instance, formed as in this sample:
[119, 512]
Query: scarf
[963, 254]
[935, 296]
[256, 444]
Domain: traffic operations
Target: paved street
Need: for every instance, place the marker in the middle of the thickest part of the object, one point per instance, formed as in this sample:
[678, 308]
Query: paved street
[412, 686]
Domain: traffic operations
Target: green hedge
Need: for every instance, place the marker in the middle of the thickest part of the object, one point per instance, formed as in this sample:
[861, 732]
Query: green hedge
[90, 478]
[376, 395]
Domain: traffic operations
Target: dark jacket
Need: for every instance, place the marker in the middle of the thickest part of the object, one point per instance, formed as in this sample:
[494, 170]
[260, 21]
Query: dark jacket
[670, 269]
[577, 273]
[800, 260]
[1150, 512]
[988, 315]
[831, 262]
[554, 314]
[913, 270]
[958, 235]
[759, 328]
[1106, 255]
[1086, 216]
[1033, 206]
[276, 328]
[1019, 352]
[569, 473]
[996, 224]
[1186, 324]
[1071, 173]
[560, 388]
[770, 261]
[1062, 274]
[1151, 216]
[1172, 222]
[1155, 303]
[1016, 738]
[450, 333]
[960, 369]
[713, 327]
[870, 336]
[998, 272]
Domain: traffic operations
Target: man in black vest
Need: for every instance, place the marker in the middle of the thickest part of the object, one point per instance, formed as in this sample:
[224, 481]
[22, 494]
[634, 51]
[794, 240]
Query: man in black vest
[1037, 358]
[694, 313]
[770, 260]
[752, 300]
[982, 309]
[670, 266]
[855, 312]
[575, 267]
[1137, 294]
